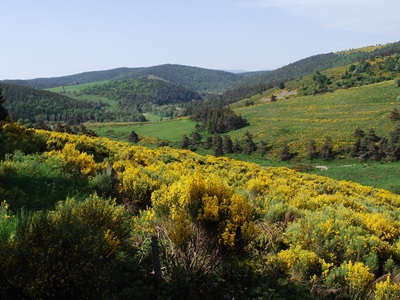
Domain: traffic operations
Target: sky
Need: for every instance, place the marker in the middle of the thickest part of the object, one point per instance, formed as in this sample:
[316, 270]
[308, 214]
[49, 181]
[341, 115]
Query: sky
[50, 38]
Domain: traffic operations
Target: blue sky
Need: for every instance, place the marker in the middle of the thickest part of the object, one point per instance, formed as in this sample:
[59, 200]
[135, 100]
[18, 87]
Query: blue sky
[46, 38]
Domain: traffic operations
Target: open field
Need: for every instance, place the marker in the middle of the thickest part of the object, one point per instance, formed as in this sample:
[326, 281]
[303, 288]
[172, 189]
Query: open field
[170, 130]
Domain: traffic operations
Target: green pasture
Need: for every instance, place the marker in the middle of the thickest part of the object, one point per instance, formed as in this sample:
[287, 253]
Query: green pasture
[75, 92]
[380, 175]
[76, 87]
[170, 130]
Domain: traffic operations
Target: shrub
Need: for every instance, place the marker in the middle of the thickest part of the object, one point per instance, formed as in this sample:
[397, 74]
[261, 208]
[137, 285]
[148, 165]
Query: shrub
[71, 252]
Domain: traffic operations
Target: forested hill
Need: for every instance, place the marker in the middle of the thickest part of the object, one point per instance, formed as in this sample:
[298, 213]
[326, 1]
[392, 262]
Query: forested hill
[140, 91]
[81, 78]
[259, 83]
[36, 105]
[197, 79]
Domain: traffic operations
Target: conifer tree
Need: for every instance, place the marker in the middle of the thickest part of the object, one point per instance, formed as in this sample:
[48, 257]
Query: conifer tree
[196, 138]
[327, 149]
[185, 142]
[3, 111]
[394, 115]
[133, 137]
[311, 150]
[285, 153]
[217, 145]
[249, 146]
[227, 145]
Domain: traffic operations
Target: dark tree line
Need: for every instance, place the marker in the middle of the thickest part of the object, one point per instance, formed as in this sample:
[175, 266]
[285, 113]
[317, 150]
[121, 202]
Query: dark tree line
[216, 118]
[3, 111]
[223, 144]
[369, 145]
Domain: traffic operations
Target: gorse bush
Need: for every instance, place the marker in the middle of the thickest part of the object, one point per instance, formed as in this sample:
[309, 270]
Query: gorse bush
[225, 228]
[71, 252]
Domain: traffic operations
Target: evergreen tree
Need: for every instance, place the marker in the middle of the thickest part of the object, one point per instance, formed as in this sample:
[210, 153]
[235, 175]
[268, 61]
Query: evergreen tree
[209, 142]
[185, 143]
[133, 137]
[262, 147]
[394, 115]
[237, 148]
[3, 111]
[359, 133]
[395, 135]
[285, 154]
[312, 150]
[327, 149]
[196, 138]
[227, 145]
[249, 146]
[217, 145]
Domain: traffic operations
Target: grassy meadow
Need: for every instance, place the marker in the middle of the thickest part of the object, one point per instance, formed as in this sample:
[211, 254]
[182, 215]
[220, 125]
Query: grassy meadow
[75, 92]
[170, 130]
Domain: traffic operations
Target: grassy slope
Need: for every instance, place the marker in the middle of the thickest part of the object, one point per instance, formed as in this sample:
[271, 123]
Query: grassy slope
[335, 114]
[75, 92]
[170, 130]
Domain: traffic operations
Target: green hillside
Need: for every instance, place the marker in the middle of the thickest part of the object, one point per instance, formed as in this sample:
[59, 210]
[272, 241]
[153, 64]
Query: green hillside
[258, 84]
[338, 114]
[300, 119]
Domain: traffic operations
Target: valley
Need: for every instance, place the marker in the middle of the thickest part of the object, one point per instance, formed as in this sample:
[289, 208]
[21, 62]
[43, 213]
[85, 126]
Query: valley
[281, 184]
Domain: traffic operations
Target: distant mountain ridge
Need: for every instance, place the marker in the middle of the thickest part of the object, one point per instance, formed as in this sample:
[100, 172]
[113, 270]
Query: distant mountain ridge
[234, 86]
[80, 78]
[195, 78]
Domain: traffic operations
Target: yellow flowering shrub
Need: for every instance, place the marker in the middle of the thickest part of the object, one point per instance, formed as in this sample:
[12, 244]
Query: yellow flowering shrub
[359, 279]
[80, 161]
[301, 264]
[387, 289]
[208, 202]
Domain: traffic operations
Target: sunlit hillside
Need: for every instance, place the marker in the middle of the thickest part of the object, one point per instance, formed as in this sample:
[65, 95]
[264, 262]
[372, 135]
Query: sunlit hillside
[223, 226]
[338, 114]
